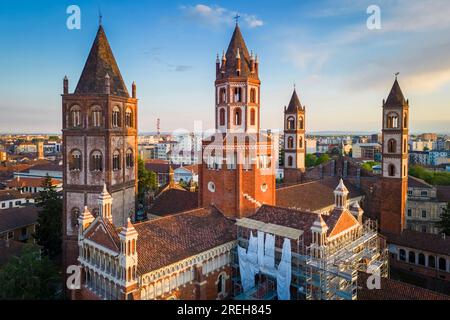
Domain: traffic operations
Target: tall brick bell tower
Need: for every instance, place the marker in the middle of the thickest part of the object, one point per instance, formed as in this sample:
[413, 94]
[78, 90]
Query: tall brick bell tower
[100, 142]
[237, 174]
[395, 162]
[294, 140]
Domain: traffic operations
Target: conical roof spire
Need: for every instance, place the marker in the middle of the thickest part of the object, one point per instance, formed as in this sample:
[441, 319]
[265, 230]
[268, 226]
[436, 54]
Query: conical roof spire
[294, 104]
[396, 97]
[99, 63]
[237, 47]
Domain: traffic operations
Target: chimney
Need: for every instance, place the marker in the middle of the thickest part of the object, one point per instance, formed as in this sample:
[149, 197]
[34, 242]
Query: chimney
[133, 90]
[66, 85]
[107, 84]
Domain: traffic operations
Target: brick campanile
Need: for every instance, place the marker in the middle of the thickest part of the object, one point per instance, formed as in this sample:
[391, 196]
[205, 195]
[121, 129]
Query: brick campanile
[100, 141]
[237, 174]
[294, 140]
[395, 161]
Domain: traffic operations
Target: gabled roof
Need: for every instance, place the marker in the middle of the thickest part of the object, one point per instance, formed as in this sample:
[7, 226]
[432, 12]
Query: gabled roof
[15, 218]
[339, 221]
[396, 97]
[414, 182]
[101, 62]
[104, 233]
[237, 42]
[294, 104]
[172, 201]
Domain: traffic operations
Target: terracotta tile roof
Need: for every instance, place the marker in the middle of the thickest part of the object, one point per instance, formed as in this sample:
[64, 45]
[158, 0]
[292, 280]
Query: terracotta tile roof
[173, 201]
[48, 167]
[30, 182]
[395, 290]
[443, 193]
[160, 166]
[99, 63]
[170, 239]
[423, 241]
[312, 196]
[339, 221]
[288, 218]
[104, 233]
[414, 182]
[15, 218]
[6, 195]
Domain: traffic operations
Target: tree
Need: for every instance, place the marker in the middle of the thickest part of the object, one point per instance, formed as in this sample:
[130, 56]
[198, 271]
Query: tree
[49, 224]
[444, 223]
[29, 276]
[310, 160]
[147, 180]
[322, 159]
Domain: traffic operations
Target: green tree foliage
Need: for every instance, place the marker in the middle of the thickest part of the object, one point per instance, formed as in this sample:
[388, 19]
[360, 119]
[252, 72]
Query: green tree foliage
[29, 276]
[148, 180]
[310, 160]
[444, 223]
[369, 165]
[322, 159]
[434, 178]
[49, 227]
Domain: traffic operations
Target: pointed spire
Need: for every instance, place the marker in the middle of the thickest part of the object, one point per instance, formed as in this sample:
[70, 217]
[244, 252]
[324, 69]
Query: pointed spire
[341, 187]
[396, 97]
[128, 230]
[100, 62]
[237, 47]
[319, 224]
[294, 104]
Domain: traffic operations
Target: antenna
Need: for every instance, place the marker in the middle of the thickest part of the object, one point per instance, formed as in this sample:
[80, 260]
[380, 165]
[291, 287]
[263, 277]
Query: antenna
[158, 126]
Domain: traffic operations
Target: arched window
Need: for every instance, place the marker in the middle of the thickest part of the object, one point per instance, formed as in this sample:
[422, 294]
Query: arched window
[290, 161]
[238, 117]
[300, 123]
[75, 161]
[405, 146]
[442, 264]
[402, 255]
[252, 95]
[116, 117]
[74, 214]
[290, 143]
[392, 146]
[392, 120]
[116, 160]
[412, 257]
[222, 117]
[75, 117]
[129, 118]
[221, 284]
[96, 161]
[291, 123]
[431, 262]
[391, 170]
[222, 95]
[252, 117]
[237, 94]
[95, 119]
[421, 259]
[405, 120]
[129, 158]
[300, 142]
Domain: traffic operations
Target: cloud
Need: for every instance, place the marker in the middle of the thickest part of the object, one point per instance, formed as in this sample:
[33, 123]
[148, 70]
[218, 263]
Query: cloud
[216, 16]
[156, 54]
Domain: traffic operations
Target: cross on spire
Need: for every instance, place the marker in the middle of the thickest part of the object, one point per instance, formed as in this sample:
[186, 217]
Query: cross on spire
[236, 17]
[100, 16]
[396, 74]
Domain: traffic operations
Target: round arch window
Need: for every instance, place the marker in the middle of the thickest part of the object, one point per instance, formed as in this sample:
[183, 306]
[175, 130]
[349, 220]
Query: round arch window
[264, 187]
[211, 186]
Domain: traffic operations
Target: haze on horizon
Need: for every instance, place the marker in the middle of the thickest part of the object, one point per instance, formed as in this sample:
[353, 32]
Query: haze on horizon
[341, 69]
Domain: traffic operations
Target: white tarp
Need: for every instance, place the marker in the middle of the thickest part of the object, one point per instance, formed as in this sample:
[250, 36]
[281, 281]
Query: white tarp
[245, 269]
[284, 272]
[260, 248]
[269, 253]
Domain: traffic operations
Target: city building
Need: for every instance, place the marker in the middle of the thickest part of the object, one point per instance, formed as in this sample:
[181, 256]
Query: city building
[32, 185]
[366, 151]
[18, 224]
[14, 199]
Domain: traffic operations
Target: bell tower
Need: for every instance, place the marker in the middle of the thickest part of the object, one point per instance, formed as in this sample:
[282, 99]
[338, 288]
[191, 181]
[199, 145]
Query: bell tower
[395, 161]
[99, 145]
[237, 172]
[294, 140]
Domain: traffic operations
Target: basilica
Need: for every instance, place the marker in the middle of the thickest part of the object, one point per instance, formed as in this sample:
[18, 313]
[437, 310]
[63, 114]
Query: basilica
[247, 237]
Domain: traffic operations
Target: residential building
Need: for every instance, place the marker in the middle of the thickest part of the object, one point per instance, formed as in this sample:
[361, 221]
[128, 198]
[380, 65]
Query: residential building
[366, 151]
[18, 224]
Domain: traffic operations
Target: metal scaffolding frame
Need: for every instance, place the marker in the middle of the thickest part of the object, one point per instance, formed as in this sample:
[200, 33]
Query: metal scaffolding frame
[333, 276]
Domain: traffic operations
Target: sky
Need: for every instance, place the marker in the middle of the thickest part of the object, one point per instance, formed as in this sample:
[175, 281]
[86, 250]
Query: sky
[342, 69]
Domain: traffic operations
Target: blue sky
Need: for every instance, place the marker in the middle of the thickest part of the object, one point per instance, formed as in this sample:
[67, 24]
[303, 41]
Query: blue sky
[342, 70]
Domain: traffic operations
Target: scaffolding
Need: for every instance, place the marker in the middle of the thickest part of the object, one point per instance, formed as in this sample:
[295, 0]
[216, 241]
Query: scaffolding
[332, 276]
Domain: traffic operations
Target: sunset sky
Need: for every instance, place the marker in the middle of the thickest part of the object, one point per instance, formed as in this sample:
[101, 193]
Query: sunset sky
[342, 70]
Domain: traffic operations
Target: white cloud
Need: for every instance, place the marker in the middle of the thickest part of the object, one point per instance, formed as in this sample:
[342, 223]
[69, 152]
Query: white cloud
[216, 16]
